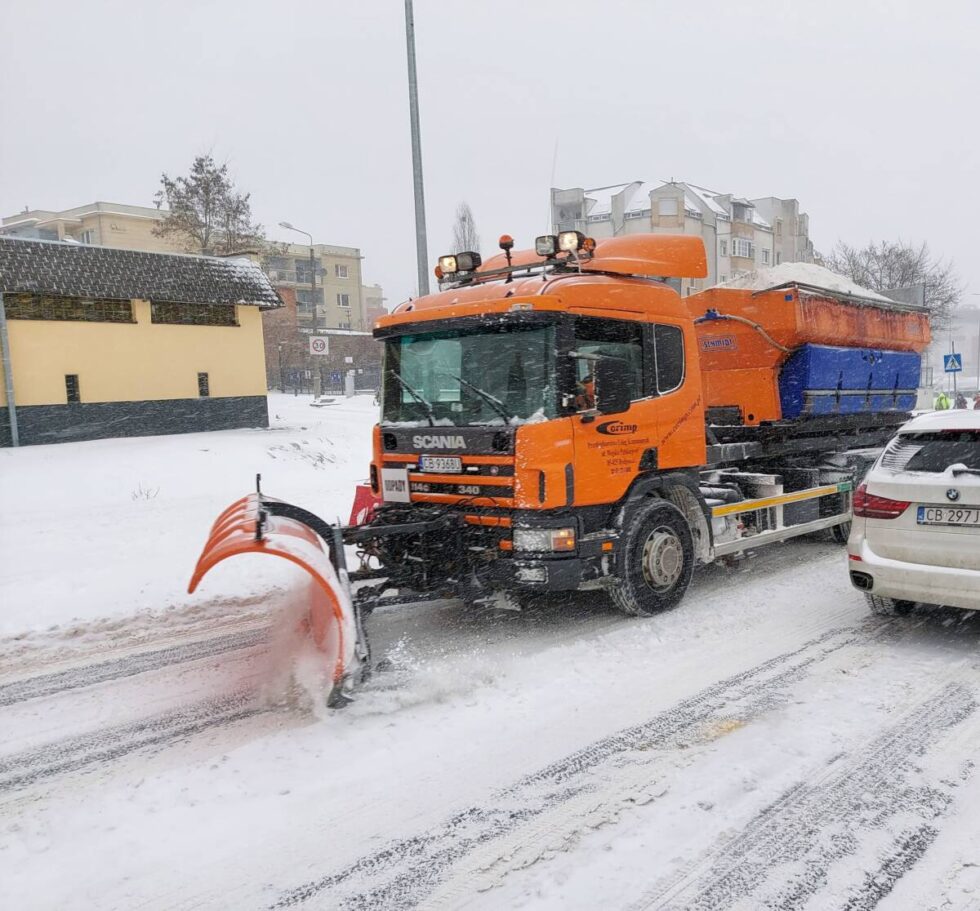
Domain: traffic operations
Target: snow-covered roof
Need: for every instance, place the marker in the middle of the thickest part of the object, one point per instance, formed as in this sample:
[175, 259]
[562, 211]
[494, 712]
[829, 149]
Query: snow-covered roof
[808, 274]
[79, 270]
[707, 197]
[602, 198]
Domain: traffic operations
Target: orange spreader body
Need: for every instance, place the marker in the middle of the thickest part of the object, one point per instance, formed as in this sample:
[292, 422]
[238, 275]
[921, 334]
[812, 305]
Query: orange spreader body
[741, 367]
[331, 616]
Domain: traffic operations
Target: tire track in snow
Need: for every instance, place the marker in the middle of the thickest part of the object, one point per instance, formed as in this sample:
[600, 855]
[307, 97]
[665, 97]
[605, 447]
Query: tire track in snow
[405, 872]
[815, 825]
[75, 754]
[128, 666]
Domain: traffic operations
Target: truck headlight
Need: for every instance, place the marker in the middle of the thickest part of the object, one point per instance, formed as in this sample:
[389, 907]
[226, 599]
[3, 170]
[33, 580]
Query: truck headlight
[544, 540]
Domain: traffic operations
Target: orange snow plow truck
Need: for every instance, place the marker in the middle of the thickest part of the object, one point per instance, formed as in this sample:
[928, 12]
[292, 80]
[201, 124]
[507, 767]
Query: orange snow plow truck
[561, 419]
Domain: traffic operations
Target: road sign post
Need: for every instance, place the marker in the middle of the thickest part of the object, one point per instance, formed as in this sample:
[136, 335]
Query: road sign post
[953, 363]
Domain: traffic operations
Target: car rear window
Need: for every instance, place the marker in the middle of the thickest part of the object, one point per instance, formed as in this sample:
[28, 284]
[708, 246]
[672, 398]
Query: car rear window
[934, 451]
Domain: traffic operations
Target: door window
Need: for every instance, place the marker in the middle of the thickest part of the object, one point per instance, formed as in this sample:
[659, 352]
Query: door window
[607, 338]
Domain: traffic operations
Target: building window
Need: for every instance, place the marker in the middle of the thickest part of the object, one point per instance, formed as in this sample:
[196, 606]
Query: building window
[340, 271]
[343, 300]
[72, 392]
[87, 237]
[306, 297]
[303, 271]
[723, 247]
[203, 386]
[667, 206]
[86, 310]
[645, 213]
[599, 217]
[174, 314]
[742, 247]
[722, 279]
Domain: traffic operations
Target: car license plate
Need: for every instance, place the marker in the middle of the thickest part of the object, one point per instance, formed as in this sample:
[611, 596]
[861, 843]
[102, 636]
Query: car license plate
[442, 464]
[948, 515]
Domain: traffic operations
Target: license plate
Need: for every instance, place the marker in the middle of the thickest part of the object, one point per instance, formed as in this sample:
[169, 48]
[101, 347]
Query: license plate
[948, 515]
[441, 464]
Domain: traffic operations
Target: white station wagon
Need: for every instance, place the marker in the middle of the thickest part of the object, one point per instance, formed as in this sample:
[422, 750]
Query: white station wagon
[915, 536]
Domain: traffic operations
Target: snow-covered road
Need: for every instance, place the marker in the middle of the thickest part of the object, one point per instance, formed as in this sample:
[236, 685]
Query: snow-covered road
[766, 744]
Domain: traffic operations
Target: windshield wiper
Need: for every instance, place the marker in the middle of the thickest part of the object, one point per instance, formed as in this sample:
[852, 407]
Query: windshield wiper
[491, 400]
[424, 402]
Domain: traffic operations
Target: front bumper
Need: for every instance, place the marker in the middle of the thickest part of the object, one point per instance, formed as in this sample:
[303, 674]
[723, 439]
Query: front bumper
[589, 568]
[912, 581]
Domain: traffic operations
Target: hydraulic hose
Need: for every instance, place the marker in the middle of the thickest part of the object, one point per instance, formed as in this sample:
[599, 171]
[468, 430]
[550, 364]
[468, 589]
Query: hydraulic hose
[712, 315]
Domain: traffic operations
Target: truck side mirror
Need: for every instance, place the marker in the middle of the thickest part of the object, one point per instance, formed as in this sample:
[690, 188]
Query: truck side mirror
[612, 385]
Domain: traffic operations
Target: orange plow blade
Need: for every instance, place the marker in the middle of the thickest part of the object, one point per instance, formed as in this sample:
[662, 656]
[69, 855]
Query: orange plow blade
[246, 527]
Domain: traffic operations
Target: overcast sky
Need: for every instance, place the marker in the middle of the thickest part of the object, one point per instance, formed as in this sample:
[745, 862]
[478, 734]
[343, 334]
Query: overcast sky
[867, 112]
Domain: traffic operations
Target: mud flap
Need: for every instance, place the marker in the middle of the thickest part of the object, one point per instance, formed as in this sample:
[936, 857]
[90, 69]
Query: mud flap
[246, 527]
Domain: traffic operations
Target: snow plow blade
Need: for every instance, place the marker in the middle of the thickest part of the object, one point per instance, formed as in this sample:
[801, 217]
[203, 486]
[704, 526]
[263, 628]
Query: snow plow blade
[254, 524]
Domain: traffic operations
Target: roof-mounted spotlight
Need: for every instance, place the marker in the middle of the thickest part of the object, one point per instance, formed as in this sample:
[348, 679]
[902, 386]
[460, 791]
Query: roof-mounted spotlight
[571, 241]
[448, 265]
[468, 261]
[546, 245]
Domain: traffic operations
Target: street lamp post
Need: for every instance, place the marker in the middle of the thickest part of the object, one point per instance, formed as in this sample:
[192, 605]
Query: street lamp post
[289, 227]
[421, 247]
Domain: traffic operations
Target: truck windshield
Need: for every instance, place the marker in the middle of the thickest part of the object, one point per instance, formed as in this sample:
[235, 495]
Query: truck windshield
[493, 375]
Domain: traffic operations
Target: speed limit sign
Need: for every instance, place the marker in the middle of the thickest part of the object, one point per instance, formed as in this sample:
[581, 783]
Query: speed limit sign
[318, 345]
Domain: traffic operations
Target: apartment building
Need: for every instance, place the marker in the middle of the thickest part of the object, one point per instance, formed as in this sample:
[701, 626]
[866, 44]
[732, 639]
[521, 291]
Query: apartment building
[330, 292]
[100, 224]
[740, 235]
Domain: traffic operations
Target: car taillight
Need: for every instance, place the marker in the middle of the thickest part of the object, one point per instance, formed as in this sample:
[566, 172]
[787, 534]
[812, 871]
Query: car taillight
[869, 506]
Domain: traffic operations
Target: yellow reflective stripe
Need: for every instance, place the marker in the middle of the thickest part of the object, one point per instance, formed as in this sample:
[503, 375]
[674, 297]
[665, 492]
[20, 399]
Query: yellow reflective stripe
[795, 497]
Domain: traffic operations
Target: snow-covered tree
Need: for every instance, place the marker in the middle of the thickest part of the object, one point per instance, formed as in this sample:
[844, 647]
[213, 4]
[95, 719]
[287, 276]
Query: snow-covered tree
[898, 264]
[465, 237]
[206, 213]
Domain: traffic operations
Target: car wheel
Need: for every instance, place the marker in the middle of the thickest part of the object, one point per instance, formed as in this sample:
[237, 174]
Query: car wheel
[657, 561]
[889, 606]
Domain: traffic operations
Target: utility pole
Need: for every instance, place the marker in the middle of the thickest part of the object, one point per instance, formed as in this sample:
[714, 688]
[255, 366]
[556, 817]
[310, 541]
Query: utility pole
[8, 375]
[421, 246]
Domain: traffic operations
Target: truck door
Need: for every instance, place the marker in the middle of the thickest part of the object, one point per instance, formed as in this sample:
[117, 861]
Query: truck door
[609, 448]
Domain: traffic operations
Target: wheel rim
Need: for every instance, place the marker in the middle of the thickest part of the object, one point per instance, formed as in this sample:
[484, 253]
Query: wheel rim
[663, 559]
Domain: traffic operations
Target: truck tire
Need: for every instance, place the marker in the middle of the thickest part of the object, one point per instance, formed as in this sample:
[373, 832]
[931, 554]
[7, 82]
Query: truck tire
[657, 560]
[887, 607]
[841, 532]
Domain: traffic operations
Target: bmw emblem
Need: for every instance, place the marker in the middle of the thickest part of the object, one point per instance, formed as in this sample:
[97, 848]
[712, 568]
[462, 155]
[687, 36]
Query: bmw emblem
[952, 494]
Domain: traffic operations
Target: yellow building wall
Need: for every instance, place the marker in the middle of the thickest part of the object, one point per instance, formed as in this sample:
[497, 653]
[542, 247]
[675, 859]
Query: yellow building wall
[131, 233]
[125, 362]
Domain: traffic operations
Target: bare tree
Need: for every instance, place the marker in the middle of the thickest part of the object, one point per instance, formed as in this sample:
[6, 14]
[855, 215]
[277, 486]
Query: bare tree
[206, 213]
[465, 237]
[898, 264]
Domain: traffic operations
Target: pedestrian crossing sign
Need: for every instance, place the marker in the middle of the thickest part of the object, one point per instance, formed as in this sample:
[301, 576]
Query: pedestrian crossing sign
[952, 363]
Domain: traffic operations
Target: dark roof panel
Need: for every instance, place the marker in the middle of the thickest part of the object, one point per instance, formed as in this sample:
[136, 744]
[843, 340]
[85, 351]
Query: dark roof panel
[78, 270]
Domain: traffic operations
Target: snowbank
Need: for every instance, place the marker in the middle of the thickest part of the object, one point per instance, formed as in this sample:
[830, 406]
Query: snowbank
[803, 274]
[114, 527]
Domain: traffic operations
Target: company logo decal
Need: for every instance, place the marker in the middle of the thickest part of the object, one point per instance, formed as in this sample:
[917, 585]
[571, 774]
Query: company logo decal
[616, 428]
[424, 441]
[719, 343]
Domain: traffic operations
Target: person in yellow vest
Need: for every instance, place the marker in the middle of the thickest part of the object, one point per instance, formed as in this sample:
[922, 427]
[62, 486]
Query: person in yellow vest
[942, 401]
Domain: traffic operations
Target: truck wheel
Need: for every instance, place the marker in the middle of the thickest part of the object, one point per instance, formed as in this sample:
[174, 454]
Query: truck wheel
[841, 532]
[887, 607]
[657, 561]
